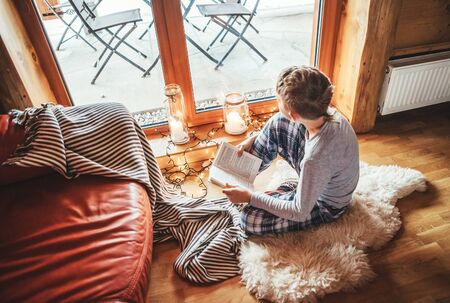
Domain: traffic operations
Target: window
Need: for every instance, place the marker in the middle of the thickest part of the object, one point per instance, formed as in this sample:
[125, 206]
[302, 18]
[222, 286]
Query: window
[276, 36]
[183, 41]
[79, 53]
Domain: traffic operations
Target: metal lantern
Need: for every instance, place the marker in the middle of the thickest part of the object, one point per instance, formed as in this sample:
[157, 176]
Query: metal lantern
[235, 113]
[179, 133]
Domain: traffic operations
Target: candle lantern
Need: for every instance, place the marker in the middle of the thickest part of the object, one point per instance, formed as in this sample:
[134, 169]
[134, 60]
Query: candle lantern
[235, 113]
[179, 133]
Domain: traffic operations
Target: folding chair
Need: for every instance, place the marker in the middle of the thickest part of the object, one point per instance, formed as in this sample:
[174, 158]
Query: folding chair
[95, 24]
[149, 3]
[233, 11]
[209, 21]
[69, 25]
[235, 20]
[187, 9]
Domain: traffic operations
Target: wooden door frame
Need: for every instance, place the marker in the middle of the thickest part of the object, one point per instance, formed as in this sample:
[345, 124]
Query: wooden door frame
[330, 19]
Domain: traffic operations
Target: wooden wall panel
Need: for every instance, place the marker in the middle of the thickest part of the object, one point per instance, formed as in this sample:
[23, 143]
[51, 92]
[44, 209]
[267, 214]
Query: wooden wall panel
[422, 26]
[12, 91]
[23, 54]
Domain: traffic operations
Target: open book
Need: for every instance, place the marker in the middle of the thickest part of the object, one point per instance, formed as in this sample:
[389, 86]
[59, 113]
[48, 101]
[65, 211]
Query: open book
[229, 168]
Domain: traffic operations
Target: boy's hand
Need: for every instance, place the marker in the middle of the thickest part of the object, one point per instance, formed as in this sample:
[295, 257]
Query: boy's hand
[237, 194]
[246, 145]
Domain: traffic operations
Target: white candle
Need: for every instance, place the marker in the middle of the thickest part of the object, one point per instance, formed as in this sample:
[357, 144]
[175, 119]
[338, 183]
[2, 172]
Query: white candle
[235, 125]
[177, 132]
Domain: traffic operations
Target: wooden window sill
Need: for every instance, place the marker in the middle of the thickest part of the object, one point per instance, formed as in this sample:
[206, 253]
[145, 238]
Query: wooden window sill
[193, 151]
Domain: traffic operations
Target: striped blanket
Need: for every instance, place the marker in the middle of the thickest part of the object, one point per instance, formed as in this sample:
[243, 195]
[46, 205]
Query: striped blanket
[104, 140]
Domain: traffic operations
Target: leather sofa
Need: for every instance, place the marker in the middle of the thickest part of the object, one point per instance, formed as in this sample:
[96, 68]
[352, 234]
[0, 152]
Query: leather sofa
[83, 240]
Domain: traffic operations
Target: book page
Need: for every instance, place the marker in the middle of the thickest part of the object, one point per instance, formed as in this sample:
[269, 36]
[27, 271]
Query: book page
[245, 166]
[222, 177]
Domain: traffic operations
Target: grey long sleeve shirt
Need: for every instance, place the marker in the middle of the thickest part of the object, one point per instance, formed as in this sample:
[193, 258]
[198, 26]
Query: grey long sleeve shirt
[329, 172]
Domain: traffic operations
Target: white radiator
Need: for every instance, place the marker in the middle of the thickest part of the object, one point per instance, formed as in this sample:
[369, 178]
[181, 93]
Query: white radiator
[415, 82]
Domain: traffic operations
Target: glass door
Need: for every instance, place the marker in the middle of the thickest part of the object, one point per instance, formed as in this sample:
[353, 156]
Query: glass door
[132, 74]
[208, 47]
[243, 45]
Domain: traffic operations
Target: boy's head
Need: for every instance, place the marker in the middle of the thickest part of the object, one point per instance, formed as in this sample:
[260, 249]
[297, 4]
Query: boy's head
[305, 91]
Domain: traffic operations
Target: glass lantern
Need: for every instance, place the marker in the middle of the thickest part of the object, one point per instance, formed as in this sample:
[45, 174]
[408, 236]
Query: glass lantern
[235, 113]
[179, 133]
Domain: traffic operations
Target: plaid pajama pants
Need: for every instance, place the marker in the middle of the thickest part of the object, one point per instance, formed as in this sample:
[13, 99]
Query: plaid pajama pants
[257, 221]
[280, 136]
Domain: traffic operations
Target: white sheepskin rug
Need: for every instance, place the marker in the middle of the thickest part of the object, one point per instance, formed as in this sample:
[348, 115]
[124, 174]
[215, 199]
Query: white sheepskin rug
[304, 266]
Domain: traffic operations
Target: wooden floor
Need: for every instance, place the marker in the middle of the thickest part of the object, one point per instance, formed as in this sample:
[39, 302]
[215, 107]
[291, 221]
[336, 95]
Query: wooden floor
[414, 267]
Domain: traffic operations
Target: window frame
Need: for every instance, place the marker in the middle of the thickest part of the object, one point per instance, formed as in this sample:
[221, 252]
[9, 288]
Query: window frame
[174, 54]
[169, 28]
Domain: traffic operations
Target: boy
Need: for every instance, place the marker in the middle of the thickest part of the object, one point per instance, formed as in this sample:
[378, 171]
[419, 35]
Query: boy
[317, 142]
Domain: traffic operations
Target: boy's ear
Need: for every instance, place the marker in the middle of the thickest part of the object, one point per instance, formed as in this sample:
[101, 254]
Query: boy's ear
[293, 115]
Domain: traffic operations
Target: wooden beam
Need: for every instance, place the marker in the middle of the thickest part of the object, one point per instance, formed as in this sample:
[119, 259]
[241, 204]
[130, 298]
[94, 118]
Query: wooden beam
[35, 30]
[23, 54]
[380, 37]
[13, 94]
[366, 39]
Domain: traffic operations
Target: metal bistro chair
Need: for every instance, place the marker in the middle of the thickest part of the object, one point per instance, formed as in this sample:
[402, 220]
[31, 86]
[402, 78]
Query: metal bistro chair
[95, 24]
[69, 24]
[149, 3]
[234, 21]
[187, 9]
[233, 10]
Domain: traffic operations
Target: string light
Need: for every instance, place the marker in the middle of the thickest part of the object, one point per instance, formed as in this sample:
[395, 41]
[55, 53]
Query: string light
[176, 173]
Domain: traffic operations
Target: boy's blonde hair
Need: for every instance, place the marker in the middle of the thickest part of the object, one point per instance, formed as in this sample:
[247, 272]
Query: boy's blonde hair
[305, 90]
